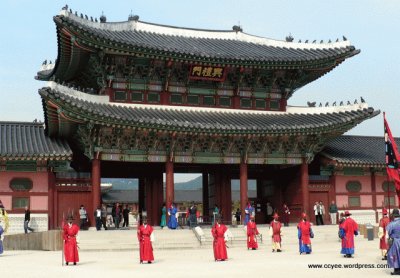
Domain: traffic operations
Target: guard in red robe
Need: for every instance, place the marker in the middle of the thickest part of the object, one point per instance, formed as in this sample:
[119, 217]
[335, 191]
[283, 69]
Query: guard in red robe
[70, 232]
[305, 234]
[145, 237]
[383, 245]
[275, 233]
[218, 232]
[252, 233]
[348, 229]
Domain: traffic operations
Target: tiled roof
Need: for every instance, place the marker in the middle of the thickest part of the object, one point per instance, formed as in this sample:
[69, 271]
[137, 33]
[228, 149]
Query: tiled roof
[220, 45]
[209, 120]
[28, 140]
[357, 150]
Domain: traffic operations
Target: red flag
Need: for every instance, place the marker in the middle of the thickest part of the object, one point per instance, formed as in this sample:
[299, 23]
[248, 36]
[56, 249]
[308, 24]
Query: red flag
[391, 155]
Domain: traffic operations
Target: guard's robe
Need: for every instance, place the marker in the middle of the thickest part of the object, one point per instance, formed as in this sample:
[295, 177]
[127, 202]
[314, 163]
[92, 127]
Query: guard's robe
[248, 211]
[219, 247]
[304, 232]
[349, 229]
[172, 221]
[276, 231]
[393, 254]
[383, 224]
[145, 246]
[252, 232]
[70, 244]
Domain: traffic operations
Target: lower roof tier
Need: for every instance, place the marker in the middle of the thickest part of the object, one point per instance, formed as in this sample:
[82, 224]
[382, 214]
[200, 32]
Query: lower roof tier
[64, 104]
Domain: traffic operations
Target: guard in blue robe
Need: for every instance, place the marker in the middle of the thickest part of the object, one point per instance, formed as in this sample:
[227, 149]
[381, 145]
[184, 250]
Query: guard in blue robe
[248, 212]
[1, 238]
[172, 221]
[393, 231]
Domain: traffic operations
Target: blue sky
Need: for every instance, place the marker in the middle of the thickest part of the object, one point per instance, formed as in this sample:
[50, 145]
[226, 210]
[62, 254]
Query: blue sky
[28, 37]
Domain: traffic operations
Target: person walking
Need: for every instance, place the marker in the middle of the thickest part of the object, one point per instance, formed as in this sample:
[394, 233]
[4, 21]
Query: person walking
[305, 234]
[97, 217]
[82, 217]
[238, 214]
[116, 213]
[275, 233]
[348, 229]
[286, 215]
[163, 222]
[192, 215]
[70, 233]
[104, 216]
[333, 210]
[252, 233]
[27, 219]
[219, 233]
[172, 219]
[318, 210]
[393, 231]
[145, 237]
[125, 214]
[383, 223]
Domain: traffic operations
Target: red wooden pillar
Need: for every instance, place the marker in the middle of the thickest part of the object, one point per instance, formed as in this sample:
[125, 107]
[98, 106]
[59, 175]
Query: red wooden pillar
[243, 187]
[373, 190]
[304, 186]
[169, 182]
[96, 177]
[226, 196]
[50, 205]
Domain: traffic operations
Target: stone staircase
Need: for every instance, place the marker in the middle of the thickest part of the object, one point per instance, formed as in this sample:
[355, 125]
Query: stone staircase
[118, 240]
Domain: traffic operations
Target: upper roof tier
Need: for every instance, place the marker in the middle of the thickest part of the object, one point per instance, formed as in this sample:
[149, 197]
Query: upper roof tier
[231, 47]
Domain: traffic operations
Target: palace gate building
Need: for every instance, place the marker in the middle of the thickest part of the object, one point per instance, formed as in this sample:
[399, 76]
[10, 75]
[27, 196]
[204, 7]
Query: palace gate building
[140, 100]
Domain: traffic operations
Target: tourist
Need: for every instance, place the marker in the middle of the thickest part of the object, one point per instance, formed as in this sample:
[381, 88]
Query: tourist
[270, 212]
[27, 219]
[163, 222]
[192, 215]
[219, 233]
[172, 217]
[275, 233]
[319, 212]
[238, 214]
[393, 231]
[70, 233]
[97, 217]
[125, 215]
[215, 213]
[286, 215]
[333, 210]
[104, 216]
[383, 223]
[348, 229]
[305, 234]
[82, 217]
[116, 213]
[252, 233]
[145, 237]
[248, 211]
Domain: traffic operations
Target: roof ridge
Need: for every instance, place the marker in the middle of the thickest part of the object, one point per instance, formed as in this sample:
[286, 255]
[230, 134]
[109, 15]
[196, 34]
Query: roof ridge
[40, 124]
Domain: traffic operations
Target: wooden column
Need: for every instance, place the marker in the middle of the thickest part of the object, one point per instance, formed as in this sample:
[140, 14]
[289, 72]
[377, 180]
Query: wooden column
[51, 201]
[96, 177]
[226, 196]
[169, 182]
[304, 186]
[206, 203]
[57, 222]
[142, 195]
[243, 187]
[373, 191]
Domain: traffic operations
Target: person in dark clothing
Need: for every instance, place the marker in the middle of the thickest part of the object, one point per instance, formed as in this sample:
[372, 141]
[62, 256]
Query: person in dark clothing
[26, 220]
[116, 213]
[125, 214]
[238, 214]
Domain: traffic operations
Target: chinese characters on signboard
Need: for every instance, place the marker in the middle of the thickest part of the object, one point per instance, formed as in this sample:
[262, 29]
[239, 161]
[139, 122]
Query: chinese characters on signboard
[207, 73]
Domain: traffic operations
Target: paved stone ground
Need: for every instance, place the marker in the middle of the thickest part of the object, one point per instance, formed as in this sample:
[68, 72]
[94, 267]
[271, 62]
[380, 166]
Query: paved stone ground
[200, 263]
